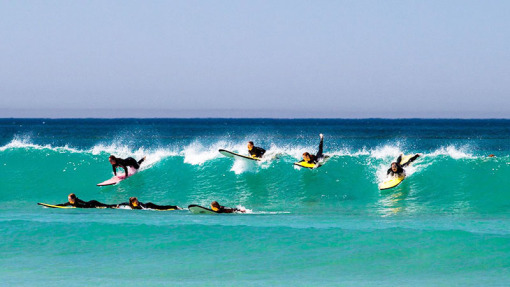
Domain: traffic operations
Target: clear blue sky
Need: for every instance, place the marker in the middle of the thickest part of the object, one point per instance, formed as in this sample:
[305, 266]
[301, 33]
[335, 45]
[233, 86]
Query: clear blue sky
[255, 58]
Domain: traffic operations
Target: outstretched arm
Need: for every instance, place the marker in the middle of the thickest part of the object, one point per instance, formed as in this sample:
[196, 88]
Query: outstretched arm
[411, 160]
[63, 204]
[114, 170]
[321, 144]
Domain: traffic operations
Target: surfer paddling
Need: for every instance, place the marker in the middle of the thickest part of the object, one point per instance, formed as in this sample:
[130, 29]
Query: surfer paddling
[215, 206]
[72, 200]
[255, 151]
[135, 204]
[124, 163]
[397, 167]
[313, 159]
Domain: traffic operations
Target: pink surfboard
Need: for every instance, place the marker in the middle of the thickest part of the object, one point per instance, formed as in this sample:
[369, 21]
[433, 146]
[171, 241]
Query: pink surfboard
[118, 178]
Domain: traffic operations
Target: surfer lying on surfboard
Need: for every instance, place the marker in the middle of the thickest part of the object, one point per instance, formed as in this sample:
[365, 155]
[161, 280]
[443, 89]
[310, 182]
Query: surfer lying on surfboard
[124, 163]
[255, 152]
[397, 167]
[313, 159]
[135, 204]
[222, 209]
[78, 203]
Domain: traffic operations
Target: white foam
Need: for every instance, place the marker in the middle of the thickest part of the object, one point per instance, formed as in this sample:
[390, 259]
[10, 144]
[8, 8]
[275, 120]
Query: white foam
[453, 152]
[385, 152]
[197, 154]
[25, 143]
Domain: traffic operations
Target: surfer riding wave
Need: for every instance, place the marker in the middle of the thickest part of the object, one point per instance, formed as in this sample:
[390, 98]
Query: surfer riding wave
[124, 163]
[313, 159]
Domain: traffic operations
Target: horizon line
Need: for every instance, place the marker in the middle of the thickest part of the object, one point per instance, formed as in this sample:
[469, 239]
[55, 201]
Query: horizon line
[245, 118]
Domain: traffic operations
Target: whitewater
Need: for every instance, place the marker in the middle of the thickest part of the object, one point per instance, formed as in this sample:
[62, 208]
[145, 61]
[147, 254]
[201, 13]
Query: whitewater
[447, 224]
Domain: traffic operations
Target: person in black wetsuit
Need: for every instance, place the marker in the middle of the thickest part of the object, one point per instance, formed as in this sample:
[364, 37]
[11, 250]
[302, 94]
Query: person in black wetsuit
[398, 170]
[135, 204]
[313, 159]
[124, 163]
[255, 151]
[78, 203]
[222, 209]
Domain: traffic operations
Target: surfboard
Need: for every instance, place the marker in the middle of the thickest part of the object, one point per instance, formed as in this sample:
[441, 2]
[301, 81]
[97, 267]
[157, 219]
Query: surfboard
[391, 182]
[313, 165]
[197, 209]
[56, 206]
[118, 178]
[234, 155]
[53, 206]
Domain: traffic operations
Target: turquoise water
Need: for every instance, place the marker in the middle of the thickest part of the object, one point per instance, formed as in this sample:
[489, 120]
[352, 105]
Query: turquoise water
[447, 224]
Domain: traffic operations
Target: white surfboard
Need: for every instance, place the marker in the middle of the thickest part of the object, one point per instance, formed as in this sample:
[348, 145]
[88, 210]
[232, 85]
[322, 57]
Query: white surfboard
[231, 154]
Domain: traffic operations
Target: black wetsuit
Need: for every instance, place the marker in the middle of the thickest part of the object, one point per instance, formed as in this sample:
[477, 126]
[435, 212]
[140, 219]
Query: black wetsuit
[317, 157]
[257, 152]
[78, 203]
[400, 171]
[150, 205]
[124, 163]
[224, 209]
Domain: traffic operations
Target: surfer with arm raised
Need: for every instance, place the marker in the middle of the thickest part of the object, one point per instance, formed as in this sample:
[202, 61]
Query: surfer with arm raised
[255, 152]
[313, 159]
[124, 163]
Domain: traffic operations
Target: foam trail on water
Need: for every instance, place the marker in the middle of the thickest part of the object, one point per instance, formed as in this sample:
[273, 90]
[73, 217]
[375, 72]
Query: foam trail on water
[453, 152]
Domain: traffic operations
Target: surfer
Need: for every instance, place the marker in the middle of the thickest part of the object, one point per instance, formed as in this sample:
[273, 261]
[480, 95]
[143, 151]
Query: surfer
[313, 159]
[124, 163]
[222, 209]
[255, 151]
[72, 200]
[397, 169]
[135, 204]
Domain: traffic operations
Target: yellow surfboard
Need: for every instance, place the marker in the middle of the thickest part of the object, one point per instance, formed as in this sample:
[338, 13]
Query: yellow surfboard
[54, 206]
[312, 165]
[391, 182]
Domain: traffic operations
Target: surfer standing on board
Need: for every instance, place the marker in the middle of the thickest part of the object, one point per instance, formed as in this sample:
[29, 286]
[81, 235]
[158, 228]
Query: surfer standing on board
[313, 159]
[256, 152]
[397, 169]
[124, 163]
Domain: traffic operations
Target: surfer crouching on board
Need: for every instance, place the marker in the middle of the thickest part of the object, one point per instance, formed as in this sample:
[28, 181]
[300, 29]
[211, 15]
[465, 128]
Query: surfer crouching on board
[255, 151]
[135, 204]
[313, 159]
[215, 206]
[124, 163]
[72, 200]
[397, 169]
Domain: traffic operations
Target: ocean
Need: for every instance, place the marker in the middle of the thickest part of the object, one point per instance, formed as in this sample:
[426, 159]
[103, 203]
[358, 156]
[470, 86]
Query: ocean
[447, 224]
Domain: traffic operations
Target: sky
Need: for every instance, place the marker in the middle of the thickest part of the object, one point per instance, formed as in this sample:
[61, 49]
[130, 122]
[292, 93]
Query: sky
[280, 59]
